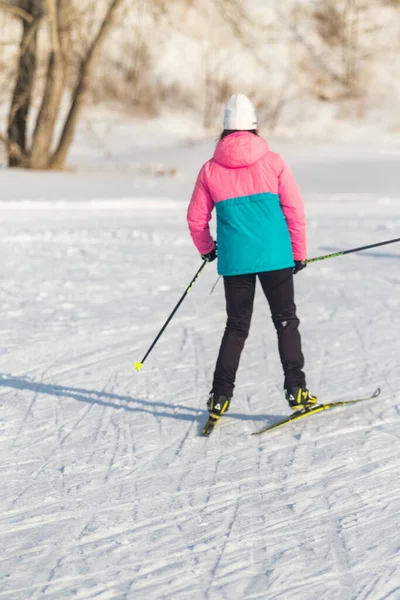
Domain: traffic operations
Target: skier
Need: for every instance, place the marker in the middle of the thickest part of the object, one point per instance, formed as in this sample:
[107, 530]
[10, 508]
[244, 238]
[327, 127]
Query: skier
[261, 232]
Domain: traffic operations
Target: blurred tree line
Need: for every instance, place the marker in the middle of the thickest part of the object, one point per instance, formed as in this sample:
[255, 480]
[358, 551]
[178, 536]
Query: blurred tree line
[293, 48]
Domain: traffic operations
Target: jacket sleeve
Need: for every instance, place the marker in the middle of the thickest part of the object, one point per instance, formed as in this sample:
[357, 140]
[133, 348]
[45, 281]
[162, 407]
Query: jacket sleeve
[199, 215]
[293, 209]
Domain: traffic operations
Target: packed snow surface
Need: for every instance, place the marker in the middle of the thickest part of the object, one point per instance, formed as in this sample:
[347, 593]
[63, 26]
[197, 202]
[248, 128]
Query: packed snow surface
[107, 490]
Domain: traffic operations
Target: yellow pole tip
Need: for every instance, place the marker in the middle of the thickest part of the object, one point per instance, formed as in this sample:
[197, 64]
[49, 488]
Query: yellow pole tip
[138, 366]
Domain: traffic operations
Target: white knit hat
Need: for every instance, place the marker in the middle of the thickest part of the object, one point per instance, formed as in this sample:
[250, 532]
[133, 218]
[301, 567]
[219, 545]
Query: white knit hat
[239, 113]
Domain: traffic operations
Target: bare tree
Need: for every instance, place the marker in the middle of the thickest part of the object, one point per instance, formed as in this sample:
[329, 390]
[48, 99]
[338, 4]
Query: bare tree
[59, 15]
[30, 14]
[85, 72]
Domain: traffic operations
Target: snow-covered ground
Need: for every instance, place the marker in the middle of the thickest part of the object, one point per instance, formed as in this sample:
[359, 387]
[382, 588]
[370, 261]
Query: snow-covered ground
[107, 489]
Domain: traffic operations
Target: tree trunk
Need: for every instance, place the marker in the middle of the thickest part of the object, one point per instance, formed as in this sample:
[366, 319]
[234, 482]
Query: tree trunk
[86, 70]
[21, 99]
[55, 83]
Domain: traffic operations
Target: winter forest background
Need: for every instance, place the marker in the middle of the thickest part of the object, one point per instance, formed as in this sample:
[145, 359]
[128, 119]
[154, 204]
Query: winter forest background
[314, 68]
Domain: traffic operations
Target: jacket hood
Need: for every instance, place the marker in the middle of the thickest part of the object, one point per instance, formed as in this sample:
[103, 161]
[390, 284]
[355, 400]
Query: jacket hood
[240, 149]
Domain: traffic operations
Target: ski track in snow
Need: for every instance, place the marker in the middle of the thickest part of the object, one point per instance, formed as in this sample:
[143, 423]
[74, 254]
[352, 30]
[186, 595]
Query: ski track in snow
[107, 489]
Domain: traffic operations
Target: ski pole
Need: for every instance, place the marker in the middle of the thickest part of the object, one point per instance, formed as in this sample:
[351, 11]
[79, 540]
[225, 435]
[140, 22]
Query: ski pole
[310, 260]
[215, 285]
[335, 254]
[139, 365]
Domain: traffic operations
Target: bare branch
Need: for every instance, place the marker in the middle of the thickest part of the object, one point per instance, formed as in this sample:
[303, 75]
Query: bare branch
[16, 11]
[244, 27]
[32, 32]
[312, 52]
[14, 149]
[55, 40]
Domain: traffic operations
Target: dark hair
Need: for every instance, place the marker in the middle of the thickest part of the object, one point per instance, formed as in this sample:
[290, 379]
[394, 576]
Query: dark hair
[229, 131]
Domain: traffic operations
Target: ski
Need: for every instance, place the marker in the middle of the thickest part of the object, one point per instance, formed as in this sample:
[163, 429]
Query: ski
[209, 426]
[300, 414]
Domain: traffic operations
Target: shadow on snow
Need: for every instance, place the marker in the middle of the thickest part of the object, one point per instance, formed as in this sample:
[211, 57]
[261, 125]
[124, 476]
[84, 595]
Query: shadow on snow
[171, 411]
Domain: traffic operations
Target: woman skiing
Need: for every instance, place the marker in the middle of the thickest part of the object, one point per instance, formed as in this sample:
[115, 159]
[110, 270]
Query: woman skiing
[261, 232]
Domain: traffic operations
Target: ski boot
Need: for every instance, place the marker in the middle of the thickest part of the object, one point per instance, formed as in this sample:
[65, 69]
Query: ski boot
[300, 398]
[217, 406]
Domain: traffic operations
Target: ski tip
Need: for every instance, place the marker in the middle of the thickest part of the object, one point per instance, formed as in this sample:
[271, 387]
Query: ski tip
[209, 426]
[207, 429]
[376, 393]
[138, 366]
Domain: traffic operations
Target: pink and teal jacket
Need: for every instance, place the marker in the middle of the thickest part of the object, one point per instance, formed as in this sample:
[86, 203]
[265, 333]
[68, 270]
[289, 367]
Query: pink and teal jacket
[260, 213]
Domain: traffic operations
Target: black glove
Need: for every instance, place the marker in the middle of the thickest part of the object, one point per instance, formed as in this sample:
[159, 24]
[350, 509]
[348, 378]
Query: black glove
[299, 265]
[211, 255]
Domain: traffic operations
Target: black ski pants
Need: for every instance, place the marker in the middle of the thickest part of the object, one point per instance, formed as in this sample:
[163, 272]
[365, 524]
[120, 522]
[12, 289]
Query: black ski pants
[239, 293]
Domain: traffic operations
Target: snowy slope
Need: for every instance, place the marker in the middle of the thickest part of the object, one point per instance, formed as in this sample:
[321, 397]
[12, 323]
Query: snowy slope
[107, 490]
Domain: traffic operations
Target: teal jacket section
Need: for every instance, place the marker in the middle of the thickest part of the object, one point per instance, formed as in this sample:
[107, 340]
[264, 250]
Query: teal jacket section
[252, 235]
